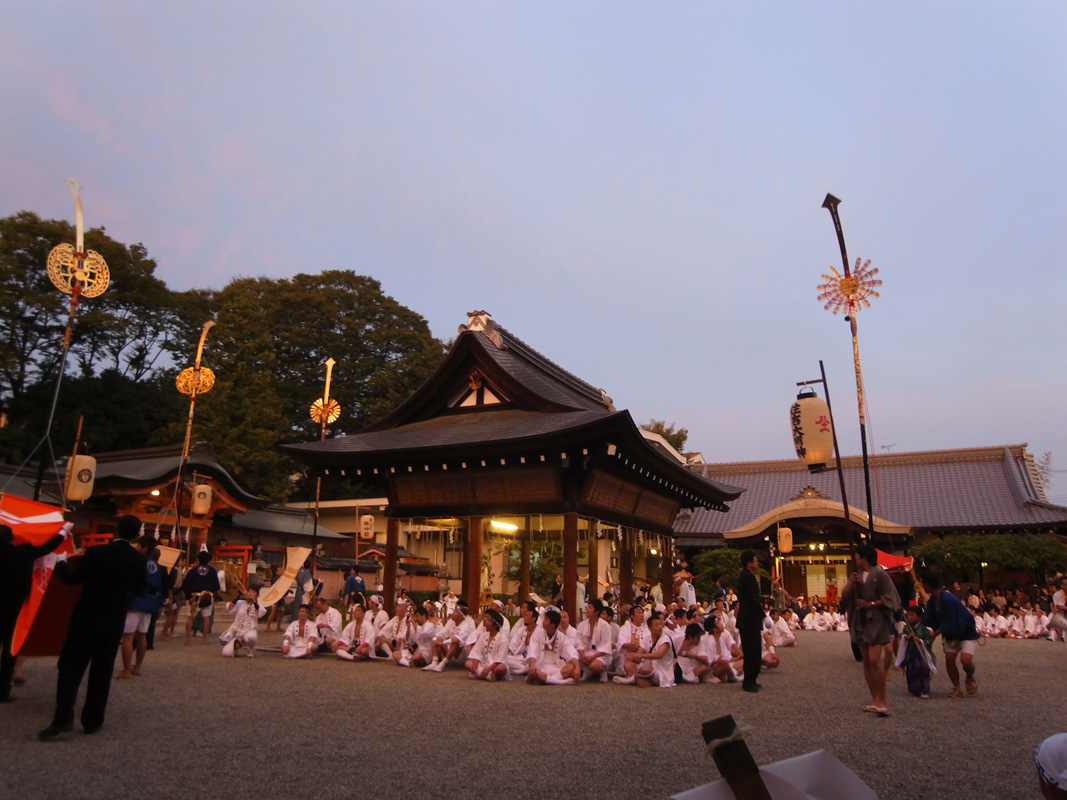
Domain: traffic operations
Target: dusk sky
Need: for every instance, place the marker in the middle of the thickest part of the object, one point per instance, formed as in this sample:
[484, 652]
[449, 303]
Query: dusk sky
[634, 189]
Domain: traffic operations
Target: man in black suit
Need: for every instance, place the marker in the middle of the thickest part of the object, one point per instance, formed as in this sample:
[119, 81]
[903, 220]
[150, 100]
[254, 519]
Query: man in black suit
[109, 575]
[16, 579]
[750, 620]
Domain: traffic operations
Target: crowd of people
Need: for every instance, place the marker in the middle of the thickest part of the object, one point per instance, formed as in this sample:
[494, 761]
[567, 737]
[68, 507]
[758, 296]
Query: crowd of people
[725, 639]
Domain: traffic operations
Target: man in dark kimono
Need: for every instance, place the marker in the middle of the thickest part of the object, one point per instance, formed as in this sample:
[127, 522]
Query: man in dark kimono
[870, 599]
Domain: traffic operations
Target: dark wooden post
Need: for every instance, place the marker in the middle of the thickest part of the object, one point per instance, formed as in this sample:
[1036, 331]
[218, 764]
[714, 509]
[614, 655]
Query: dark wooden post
[524, 564]
[392, 543]
[667, 570]
[472, 576]
[626, 566]
[593, 545]
[570, 563]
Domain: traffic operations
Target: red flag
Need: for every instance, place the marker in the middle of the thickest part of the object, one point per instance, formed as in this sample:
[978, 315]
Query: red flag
[34, 523]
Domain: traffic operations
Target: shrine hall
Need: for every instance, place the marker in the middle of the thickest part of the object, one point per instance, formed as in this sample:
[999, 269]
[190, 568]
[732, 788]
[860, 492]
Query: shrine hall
[502, 442]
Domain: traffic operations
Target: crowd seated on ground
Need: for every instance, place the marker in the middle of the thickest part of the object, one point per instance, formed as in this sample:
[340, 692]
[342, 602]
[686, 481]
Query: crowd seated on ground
[657, 644]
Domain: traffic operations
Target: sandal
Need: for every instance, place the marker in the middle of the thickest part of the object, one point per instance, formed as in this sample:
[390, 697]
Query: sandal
[871, 709]
[972, 686]
[882, 712]
[955, 694]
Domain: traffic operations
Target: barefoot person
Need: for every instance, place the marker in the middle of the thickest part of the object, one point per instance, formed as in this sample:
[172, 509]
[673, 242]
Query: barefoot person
[871, 599]
[946, 616]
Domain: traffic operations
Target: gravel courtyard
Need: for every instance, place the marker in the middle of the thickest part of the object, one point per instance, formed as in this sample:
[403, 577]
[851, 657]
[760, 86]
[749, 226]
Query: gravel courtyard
[197, 725]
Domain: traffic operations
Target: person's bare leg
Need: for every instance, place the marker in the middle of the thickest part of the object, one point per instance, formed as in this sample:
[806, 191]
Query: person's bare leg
[127, 656]
[141, 646]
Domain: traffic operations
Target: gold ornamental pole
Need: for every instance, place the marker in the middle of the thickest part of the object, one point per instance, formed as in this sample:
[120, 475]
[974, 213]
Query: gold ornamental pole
[323, 411]
[193, 381]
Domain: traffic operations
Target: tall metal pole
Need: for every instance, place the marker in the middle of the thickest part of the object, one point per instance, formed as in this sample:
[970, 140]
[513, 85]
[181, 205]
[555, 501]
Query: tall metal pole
[849, 291]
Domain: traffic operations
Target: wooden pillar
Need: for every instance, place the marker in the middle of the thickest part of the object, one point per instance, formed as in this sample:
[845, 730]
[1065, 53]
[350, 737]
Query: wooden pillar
[667, 569]
[524, 565]
[626, 566]
[593, 544]
[570, 564]
[392, 545]
[472, 574]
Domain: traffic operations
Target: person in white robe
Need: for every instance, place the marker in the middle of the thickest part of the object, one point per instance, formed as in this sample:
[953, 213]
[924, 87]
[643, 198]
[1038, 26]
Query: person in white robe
[488, 658]
[521, 635]
[634, 637]
[656, 667]
[594, 643]
[420, 646]
[567, 629]
[397, 633]
[692, 657]
[328, 622]
[551, 657]
[781, 636]
[301, 637]
[244, 631]
[357, 639]
[722, 651]
[450, 643]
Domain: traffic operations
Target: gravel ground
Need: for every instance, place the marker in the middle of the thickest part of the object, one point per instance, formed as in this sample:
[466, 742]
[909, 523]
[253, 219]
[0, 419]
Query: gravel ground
[197, 725]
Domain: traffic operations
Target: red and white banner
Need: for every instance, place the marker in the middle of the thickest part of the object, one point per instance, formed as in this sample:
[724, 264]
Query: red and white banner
[34, 523]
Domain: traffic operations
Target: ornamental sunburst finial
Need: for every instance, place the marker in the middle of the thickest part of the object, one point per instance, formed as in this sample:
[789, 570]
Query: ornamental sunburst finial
[849, 292]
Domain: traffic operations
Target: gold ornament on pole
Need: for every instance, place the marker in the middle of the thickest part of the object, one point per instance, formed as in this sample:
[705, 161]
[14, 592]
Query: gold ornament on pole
[323, 411]
[193, 381]
[78, 273]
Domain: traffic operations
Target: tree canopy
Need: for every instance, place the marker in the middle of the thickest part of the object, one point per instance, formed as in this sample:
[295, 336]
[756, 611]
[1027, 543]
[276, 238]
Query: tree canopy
[1032, 551]
[676, 437]
[267, 350]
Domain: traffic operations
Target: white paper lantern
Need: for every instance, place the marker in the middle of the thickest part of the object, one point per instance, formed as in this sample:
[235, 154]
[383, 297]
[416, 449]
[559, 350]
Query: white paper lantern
[81, 474]
[201, 498]
[813, 436]
[785, 540]
[366, 527]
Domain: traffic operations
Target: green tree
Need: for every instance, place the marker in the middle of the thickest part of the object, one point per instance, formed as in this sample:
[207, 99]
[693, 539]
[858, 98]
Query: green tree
[676, 437]
[268, 349]
[1033, 551]
[711, 565]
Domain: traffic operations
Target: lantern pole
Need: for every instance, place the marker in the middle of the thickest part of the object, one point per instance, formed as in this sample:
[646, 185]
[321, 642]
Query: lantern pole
[837, 458]
[850, 292]
[192, 381]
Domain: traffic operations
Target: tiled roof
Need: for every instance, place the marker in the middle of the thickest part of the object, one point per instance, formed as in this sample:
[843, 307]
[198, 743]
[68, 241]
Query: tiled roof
[452, 430]
[286, 521]
[974, 488]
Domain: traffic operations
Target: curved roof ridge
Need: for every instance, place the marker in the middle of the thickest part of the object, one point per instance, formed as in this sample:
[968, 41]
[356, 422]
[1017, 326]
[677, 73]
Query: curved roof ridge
[545, 363]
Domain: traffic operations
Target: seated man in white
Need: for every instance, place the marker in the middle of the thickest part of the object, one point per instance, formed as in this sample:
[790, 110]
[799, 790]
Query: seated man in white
[565, 627]
[767, 655]
[378, 615]
[488, 657]
[721, 650]
[328, 622]
[551, 657]
[398, 632]
[823, 620]
[450, 643]
[634, 637]
[357, 639]
[245, 628]
[781, 636]
[497, 606]
[594, 643]
[420, 648]
[692, 657]
[791, 619]
[520, 637]
[656, 667]
[301, 637]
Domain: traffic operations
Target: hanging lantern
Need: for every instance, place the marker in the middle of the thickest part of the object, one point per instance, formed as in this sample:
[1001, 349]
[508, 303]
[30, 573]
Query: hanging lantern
[366, 527]
[813, 435]
[81, 473]
[785, 540]
[201, 498]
